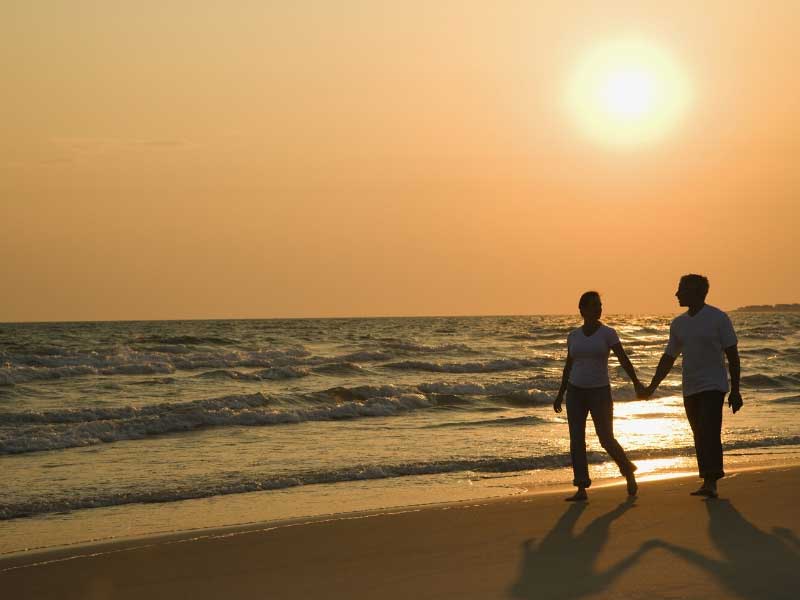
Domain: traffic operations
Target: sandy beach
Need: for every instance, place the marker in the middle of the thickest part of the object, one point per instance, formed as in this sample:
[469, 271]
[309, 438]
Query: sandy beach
[665, 544]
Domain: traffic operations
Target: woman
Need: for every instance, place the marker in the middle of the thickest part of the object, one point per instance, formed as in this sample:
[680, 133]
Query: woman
[586, 383]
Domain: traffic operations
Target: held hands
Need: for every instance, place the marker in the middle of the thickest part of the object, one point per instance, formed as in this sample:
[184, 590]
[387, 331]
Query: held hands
[735, 401]
[557, 403]
[642, 393]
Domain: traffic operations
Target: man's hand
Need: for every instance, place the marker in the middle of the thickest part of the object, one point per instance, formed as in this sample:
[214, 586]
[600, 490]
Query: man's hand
[735, 401]
[557, 403]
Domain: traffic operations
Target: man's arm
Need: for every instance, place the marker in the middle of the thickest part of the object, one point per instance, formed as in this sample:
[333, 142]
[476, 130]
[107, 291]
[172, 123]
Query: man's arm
[734, 368]
[671, 352]
[564, 380]
[663, 369]
[625, 363]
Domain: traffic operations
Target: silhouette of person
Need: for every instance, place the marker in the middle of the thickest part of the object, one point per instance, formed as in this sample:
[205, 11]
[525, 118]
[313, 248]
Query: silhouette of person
[754, 564]
[705, 336]
[562, 565]
[585, 381]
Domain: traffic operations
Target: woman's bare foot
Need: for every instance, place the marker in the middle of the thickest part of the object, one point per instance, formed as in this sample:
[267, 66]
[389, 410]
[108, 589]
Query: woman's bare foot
[633, 487]
[579, 496]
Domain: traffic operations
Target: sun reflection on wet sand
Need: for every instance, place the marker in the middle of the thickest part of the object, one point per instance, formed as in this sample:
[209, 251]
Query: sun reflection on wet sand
[651, 469]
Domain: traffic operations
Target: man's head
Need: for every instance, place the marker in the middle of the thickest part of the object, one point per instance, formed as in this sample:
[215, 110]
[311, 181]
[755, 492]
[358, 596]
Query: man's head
[590, 306]
[692, 290]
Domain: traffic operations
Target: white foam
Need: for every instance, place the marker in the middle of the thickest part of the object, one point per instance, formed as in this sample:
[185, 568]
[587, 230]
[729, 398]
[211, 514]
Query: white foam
[38, 431]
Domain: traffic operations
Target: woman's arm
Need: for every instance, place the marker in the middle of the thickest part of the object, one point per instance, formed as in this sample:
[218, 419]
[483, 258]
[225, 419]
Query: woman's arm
[625, 363]
[564, 381]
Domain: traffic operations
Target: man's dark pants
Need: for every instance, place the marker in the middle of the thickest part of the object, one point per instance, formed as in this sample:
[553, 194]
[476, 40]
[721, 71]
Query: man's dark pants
[597, 401]
[704, 411]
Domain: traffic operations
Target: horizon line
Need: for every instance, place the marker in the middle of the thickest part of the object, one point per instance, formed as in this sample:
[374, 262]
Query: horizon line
[347, 317]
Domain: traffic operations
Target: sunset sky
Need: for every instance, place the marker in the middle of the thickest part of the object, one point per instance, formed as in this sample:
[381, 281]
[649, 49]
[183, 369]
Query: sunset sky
[199, 159]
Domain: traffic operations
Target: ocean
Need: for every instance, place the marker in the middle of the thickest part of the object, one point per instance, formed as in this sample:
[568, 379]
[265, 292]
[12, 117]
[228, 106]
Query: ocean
[121, 429]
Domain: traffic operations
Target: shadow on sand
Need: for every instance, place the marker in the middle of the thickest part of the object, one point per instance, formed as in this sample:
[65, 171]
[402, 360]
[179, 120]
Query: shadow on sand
[755, 564]
[562, 565]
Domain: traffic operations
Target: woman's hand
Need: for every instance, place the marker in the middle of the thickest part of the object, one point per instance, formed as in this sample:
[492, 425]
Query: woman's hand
[557, 403]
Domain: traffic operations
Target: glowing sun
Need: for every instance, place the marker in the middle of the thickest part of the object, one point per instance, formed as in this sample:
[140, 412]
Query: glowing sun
[627, 93]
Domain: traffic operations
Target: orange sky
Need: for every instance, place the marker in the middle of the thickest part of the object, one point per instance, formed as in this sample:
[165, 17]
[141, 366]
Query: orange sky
[251, 159]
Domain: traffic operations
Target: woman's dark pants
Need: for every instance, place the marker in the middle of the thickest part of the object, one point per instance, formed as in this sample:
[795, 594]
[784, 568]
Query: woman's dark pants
[704, 411]
[597, 401]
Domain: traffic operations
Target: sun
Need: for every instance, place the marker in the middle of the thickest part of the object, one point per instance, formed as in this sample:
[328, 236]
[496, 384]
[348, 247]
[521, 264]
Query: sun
[627, 92]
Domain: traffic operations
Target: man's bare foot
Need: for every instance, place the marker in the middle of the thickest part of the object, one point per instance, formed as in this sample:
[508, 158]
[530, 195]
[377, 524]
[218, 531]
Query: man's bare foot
[708, 489]
[633, 487]
[579, 496]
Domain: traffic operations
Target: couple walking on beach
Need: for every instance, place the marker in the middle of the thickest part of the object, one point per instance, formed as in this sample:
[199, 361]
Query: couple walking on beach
[703, 334]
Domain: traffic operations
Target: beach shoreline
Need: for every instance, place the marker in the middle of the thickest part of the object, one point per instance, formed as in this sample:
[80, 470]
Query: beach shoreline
[66, 533]
[485, 536]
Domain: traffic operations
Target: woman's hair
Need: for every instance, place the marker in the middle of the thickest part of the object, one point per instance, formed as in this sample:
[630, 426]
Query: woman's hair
[586, 297]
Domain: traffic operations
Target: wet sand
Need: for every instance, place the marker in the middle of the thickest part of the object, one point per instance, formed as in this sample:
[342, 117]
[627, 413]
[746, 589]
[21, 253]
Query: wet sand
[665, 544]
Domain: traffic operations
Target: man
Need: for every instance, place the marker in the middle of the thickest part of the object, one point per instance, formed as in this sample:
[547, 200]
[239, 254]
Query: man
[704, 334]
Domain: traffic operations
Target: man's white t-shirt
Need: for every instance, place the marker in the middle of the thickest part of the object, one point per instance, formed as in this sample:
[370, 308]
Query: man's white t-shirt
[590, 356]
[703, 339]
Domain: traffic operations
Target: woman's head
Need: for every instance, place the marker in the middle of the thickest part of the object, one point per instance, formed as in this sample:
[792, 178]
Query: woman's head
[590, 306]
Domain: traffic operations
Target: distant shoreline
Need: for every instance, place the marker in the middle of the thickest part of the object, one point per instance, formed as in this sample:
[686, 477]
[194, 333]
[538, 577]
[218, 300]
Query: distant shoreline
[769, 308]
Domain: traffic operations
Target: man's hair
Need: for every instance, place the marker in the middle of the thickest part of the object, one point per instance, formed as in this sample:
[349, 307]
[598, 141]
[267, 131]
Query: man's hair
[586, 298]
[698, 282]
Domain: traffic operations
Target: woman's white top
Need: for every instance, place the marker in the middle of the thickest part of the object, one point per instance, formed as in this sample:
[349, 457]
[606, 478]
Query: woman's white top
[590, 356]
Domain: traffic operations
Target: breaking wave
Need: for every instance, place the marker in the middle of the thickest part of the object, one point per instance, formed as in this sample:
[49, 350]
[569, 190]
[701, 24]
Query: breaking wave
[219, 486]
[31, 431]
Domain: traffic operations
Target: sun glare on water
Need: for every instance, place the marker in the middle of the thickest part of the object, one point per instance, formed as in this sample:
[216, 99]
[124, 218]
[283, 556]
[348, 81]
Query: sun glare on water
[627, 93]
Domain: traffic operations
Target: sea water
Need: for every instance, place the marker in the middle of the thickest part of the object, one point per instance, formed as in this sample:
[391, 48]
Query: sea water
[117, 429]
